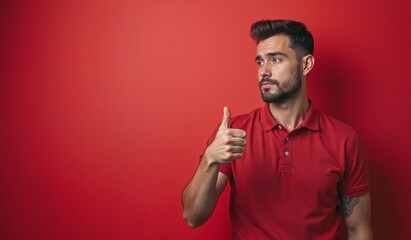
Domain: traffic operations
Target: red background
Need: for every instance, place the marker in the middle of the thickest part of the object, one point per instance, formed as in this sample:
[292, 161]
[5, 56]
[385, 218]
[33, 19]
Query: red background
[106, 105]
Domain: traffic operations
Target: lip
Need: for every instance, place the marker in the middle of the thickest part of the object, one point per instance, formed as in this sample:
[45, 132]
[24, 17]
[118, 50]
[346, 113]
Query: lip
[266, 85]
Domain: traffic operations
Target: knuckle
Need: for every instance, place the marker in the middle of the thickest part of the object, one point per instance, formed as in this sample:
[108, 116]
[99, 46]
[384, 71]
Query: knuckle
[227, 148]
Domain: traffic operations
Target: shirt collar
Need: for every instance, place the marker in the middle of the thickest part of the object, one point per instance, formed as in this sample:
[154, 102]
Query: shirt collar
[311, 120]
[267, 118]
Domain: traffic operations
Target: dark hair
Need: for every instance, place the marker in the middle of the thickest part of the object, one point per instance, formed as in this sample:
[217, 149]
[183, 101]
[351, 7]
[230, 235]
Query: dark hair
[300, 38]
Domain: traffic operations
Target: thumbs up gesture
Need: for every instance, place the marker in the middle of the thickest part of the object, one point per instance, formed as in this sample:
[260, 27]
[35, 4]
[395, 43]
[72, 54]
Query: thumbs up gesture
[228, 144]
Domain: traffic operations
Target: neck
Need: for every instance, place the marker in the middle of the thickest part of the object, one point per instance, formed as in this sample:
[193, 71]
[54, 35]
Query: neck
[291, 113]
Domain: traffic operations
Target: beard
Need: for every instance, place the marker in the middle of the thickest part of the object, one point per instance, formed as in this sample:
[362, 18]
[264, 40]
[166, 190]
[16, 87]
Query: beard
[285, 91]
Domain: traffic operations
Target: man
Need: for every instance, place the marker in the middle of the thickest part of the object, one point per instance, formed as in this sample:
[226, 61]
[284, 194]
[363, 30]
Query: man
[294, 171]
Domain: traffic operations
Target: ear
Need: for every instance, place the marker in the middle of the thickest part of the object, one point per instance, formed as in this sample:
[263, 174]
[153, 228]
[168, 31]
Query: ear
[307, 64]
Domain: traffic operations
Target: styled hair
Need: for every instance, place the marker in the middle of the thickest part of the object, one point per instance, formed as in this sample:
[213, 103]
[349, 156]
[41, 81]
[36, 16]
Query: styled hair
[301, 40]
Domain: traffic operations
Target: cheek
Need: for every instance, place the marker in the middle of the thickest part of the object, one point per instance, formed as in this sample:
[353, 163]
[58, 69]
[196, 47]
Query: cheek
[286, 71]
[281, 72]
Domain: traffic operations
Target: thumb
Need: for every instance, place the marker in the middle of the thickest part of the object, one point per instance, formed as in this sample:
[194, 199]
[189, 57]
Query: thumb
[226, 118]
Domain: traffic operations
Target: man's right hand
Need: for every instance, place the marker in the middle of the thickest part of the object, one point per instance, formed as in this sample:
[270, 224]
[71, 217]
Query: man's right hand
[228, 144]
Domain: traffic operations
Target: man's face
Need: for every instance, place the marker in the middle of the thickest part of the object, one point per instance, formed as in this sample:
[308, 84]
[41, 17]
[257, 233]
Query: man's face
[278, 69]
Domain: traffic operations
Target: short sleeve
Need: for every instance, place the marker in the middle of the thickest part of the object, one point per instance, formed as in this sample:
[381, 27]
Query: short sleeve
[356, 180]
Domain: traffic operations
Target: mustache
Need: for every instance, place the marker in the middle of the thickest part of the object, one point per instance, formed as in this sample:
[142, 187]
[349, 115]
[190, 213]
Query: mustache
[268, 80]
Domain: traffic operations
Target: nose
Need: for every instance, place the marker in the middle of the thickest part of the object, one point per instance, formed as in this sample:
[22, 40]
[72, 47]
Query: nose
[264, 71]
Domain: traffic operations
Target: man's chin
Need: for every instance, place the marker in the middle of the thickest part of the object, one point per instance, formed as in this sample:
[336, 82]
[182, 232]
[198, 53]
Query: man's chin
[273, 98]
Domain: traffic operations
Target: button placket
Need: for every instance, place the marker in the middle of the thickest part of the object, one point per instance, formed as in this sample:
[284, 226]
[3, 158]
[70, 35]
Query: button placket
[287, 166]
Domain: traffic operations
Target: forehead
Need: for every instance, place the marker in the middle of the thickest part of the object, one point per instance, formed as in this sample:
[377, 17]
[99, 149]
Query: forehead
[277, 43]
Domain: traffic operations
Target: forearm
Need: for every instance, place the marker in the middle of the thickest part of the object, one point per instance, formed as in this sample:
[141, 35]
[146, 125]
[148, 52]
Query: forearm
[202, 193]
[360, 234]
[200, 196]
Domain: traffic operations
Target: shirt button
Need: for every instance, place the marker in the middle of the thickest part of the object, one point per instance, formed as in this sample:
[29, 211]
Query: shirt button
[286, 153]
[287, 138]
[279, 127]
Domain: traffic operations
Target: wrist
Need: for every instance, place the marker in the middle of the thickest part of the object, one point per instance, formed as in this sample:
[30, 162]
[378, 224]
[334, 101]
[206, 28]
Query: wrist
[209, 161]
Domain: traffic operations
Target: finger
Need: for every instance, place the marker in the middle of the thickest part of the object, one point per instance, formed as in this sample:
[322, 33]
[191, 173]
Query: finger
[226, 118]
[237, 149]
[237, 142]
[235, 156]
[237, 133]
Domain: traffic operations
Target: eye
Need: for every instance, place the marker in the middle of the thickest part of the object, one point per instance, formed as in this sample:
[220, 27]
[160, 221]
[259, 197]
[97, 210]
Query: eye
[259, 62]
[276, 60]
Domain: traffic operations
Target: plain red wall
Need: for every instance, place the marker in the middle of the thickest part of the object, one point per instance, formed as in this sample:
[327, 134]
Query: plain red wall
[106, 105]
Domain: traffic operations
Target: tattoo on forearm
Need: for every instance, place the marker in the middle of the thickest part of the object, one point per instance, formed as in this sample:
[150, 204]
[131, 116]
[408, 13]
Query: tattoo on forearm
[348, 204]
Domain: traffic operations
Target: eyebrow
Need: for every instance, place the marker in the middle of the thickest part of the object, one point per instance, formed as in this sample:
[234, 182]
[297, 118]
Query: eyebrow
[271, 54]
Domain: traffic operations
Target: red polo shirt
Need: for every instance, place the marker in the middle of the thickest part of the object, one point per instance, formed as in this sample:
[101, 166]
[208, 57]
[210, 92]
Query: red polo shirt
[287, 184]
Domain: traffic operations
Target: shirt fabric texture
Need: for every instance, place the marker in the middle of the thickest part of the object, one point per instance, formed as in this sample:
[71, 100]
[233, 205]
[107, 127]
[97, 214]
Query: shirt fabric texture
[287, 184]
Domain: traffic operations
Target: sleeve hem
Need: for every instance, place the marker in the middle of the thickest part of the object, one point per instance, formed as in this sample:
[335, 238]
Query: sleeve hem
[357, 192]
[226, 170]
